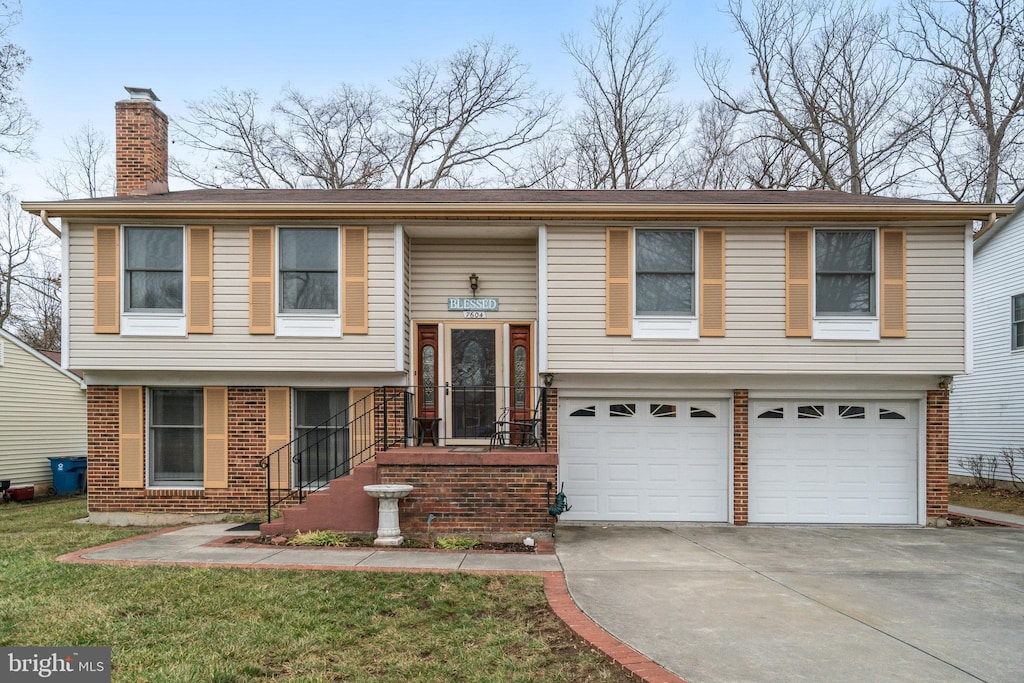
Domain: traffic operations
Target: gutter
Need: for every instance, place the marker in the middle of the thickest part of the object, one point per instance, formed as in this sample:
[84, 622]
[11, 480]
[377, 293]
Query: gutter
[44, 217]
[518, 210]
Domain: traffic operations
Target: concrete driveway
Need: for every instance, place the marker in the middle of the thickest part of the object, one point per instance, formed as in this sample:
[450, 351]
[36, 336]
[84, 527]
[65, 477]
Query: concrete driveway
[720, 603]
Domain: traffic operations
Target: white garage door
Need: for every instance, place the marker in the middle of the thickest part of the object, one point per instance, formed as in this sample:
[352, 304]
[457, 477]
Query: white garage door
[837, 462]
[630, 459]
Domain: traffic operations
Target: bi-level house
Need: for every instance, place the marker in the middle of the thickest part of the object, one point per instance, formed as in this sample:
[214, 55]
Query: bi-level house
[736, 357]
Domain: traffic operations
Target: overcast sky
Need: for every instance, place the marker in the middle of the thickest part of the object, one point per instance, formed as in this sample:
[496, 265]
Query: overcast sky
[84, 51]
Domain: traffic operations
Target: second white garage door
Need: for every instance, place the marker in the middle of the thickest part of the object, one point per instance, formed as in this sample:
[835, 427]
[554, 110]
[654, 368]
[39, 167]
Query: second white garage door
[632, 459]
[834, 462]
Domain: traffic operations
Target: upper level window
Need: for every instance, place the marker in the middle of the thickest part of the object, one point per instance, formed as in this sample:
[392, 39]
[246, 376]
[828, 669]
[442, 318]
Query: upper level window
[309, 270]
[153, 272]
[1017, 326]
[844, 269]
[665, 272]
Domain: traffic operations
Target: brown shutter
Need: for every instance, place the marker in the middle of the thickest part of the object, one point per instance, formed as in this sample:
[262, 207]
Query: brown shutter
[354, 282]
[798, 282]
[215, 437]
[279, 435]
[106, 279]
[618, 282]
[893, 298]
[362, 424]
[130, 469]
[261, 280]
[712, 283]
[200, 279]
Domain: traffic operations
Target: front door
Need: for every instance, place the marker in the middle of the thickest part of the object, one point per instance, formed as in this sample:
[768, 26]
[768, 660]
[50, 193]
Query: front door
[473, 377]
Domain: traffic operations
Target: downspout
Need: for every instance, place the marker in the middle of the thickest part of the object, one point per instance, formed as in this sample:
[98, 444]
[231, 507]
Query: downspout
[46, 221]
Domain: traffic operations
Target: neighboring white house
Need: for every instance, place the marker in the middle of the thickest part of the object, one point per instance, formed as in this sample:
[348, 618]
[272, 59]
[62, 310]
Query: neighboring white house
[987, 405]
[42, 413]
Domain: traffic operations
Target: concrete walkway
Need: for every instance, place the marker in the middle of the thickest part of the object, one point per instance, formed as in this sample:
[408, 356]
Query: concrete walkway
[988, 515]
[191, 546]
[720, 603]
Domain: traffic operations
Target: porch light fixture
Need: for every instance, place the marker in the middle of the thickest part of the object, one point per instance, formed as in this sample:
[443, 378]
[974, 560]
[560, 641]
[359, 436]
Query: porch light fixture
[474, 283]
[549, 379]
[945, 383]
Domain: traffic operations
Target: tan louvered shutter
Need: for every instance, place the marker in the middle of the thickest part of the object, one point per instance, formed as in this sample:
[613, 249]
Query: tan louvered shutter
[200, 279]
[354, 282]
[215, 437]
[893, 283]
[279, 435]
[798, 282]
[618, 282]
[261, 280]
[106, 279]
[361, 429]
[712, 283]
[130, 469]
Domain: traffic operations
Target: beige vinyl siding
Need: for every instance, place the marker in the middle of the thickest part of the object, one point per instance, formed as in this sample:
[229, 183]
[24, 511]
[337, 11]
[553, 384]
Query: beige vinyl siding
[986, 408]
[42, 414]
[755, 340]
[507, 269]
[232, 347]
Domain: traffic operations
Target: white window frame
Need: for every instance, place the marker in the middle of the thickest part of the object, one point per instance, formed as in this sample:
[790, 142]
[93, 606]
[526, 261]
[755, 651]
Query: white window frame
[1014, 323]
[150, 466]
[312, 323]
[152, 323]
[845, 327]
[682, 326]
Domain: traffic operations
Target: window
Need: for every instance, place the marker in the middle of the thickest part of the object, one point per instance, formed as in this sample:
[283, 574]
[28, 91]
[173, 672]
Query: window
[589, 411]
[662, 410]
[851, 412]
[622, 410]
[701, 413]
[308, 270]
[176, 437]
[844, 270]
[321, 426]
[772, 414]
[1017, 326]
[153, 273]
[665, 273]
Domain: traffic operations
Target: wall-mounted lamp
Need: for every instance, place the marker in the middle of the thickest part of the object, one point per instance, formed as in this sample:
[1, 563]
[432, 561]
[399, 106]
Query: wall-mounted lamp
[549, 379]
[945, 383]
[474, 283]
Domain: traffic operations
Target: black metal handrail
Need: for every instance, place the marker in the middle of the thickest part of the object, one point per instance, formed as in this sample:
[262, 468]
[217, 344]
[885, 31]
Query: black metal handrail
[450, 412]
[331, 449]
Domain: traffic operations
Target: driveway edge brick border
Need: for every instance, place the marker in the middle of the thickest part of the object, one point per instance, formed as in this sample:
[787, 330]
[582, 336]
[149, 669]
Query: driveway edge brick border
[640, 667]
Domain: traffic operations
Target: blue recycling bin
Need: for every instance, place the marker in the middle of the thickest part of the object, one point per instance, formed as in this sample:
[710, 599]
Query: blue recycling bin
[68, 475]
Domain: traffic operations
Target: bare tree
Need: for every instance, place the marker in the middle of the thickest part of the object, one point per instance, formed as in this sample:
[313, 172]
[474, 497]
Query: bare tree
[629, 133]
[37, 320]
[973, 54]
[22, 248]
[243, 147]
[716, 158]
[827, 85]
[461, 117]
[87, 170]
[16, 125]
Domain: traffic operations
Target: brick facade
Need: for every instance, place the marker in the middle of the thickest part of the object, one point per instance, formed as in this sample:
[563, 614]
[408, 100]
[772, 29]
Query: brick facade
[140, 132]
[937, 455]
[473, 493]
[740, 453]
[247, 480]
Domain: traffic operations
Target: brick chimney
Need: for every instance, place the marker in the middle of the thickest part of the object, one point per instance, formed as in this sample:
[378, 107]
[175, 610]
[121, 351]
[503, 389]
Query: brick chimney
[140, 144]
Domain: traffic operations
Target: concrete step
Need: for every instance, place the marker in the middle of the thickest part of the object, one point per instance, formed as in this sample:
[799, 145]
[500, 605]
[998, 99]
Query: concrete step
[343, 506]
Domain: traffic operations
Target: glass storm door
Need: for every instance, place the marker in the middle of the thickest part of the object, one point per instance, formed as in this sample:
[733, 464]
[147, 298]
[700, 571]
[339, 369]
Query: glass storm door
[474, 368]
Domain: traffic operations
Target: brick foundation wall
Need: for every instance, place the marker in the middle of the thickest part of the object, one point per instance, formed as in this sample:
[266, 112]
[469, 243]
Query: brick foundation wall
[140, 130]
[472, 493]
[740, 453]
[552, 421]
[246, 490]
[389, 402]
[937, 453]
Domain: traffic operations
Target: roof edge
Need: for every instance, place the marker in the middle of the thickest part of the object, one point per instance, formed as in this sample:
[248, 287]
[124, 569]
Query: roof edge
[25, 347]
[407, 210]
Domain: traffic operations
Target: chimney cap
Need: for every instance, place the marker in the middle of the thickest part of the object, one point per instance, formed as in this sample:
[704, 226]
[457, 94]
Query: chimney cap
[141, 93]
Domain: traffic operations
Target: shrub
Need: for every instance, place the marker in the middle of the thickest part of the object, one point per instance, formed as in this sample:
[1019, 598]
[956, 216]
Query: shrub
[318, 538]
[456, 542]
[982, 468]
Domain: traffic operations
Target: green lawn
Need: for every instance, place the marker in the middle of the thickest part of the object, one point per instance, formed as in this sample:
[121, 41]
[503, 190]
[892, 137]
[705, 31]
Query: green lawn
[999, 500]
[224, 624]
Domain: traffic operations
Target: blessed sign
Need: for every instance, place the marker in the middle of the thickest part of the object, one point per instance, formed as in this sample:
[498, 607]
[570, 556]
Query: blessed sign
[472, 304]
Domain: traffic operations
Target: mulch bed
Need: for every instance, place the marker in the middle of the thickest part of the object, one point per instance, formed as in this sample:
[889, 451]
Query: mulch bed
[367, 542]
